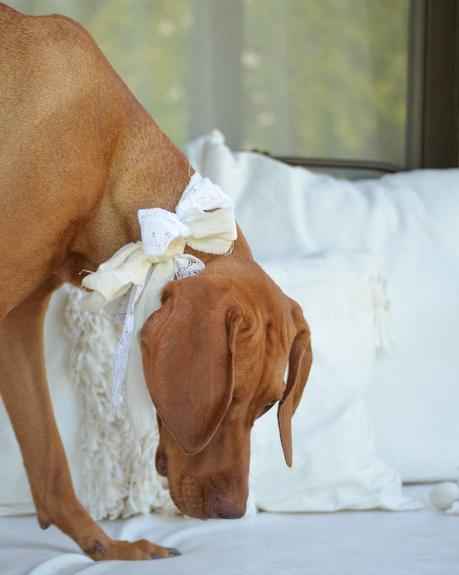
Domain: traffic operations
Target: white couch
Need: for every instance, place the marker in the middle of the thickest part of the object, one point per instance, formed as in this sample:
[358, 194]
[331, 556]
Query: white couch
[346, 543]
[407, 223]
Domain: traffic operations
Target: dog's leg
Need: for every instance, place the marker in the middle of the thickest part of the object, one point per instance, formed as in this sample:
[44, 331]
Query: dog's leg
[24, 389]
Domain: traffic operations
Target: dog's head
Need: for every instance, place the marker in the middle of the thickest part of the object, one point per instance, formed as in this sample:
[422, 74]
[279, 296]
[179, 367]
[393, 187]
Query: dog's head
[214, 358]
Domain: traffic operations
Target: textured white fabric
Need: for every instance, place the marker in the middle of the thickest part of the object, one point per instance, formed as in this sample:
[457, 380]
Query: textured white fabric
[410, 221]
[334, 461]
[204, 220]
[117, 474]
[361, 543]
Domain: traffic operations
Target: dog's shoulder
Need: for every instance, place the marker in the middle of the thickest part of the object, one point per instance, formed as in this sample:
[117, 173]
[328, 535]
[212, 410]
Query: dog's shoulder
[43, 44]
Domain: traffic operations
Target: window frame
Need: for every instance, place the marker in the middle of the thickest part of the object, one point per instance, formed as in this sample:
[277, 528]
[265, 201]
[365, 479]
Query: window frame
[441, 85]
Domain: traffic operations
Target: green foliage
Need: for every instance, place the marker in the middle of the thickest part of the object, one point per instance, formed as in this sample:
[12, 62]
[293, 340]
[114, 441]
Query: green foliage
[332, 77]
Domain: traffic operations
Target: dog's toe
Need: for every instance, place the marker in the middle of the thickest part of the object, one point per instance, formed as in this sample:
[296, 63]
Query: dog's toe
[171, 552]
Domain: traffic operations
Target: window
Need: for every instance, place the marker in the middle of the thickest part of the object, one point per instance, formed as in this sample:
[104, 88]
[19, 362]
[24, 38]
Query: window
[345, 79]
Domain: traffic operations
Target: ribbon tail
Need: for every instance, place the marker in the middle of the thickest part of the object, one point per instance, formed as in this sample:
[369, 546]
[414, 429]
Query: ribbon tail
[122, 349]
[142, 414]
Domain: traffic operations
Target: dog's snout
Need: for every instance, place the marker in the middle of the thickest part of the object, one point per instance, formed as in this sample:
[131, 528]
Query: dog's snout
[227, 507]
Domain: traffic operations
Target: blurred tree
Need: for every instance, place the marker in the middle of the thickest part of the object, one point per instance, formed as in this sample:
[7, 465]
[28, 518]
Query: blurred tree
[327, 78]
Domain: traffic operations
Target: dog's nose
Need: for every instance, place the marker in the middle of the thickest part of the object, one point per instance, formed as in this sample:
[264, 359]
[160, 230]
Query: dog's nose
[227, 507]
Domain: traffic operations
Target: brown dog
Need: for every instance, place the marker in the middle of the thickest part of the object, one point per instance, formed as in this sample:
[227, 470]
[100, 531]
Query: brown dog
[78, 157]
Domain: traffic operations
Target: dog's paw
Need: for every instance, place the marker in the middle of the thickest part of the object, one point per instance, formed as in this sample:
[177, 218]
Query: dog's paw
[129, 551]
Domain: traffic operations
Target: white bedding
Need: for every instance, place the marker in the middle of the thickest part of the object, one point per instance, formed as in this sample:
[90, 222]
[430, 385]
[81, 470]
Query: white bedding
[345, 543]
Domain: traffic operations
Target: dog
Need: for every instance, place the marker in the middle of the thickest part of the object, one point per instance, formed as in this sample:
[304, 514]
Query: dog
[79, 156]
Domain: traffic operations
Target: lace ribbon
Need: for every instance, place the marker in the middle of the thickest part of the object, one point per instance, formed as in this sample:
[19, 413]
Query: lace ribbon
[136, 274]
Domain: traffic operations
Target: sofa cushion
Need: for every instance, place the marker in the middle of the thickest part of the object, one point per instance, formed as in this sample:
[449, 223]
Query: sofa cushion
[335, 465]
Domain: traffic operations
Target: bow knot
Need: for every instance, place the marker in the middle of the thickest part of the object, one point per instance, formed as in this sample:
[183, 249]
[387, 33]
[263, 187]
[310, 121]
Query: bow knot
[203, 219]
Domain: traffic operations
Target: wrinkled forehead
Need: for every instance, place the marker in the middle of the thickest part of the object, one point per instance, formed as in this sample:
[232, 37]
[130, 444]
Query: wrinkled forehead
[263, 344]
[259, 374]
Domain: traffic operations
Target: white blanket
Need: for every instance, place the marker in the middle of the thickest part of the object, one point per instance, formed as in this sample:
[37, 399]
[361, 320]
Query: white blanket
[360, 543]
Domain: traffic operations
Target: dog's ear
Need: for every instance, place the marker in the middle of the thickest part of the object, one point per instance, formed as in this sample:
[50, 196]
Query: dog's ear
[187, 358]
[300, 361]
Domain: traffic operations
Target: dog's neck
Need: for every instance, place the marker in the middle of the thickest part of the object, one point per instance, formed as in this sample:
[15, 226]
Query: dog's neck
[146, 170]
[140, 167]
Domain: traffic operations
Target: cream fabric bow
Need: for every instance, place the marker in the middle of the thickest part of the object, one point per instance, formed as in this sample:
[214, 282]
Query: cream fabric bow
[131, 281]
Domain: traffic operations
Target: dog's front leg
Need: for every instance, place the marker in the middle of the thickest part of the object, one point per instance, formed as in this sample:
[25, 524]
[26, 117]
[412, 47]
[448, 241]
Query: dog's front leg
[24, 389]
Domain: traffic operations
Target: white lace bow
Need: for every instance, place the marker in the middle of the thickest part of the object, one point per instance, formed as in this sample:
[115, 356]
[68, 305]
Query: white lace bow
[131, 281]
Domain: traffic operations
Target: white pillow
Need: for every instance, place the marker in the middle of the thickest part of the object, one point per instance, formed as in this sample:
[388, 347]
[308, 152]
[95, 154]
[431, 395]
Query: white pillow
[334, 462]
[410, 221]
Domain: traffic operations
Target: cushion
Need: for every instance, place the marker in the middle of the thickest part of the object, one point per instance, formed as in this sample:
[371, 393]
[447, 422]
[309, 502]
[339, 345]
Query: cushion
[335, 464]
[410, 221]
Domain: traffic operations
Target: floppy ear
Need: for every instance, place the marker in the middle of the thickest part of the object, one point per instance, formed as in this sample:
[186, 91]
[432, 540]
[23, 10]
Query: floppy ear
[187, 358]
[300, 361]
